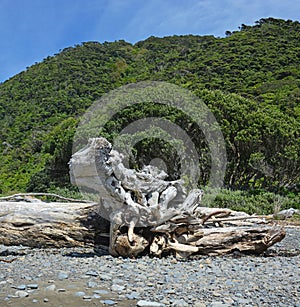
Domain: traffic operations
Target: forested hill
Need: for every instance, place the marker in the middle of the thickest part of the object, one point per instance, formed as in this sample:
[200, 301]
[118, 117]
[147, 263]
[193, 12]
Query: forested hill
[250, 79]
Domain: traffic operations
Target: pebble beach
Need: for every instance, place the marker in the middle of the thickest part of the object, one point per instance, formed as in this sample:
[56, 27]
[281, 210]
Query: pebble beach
[81, 277]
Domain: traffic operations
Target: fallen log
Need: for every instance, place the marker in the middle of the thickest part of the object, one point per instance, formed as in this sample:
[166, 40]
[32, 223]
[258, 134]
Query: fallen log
[55, 224]
[138, 213]
[42, 224]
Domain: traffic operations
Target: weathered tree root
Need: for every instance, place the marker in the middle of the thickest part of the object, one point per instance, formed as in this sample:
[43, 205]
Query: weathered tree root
[175, 220]
[139, 213]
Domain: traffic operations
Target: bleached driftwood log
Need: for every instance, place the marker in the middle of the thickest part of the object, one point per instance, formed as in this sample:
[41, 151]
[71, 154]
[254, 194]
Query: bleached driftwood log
[138, 212]
[149, 214]
[35, 223]
[42, 224]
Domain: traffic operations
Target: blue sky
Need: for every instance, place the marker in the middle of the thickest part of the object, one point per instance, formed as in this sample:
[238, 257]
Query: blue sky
[31, 30]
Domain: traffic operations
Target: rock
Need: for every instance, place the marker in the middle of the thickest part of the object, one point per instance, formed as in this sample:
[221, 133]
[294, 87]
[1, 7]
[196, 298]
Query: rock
[96, 296]
[92, 273]
[50, 288]
[170, 291]
[180, 303]
[21, 293]
[105, 277]
[165, 301]
[219, 304]
[117, 288]
[32, 286]
[62, 275]
[101, 292]
[79, 294]
[133, 295]
[91, 284]
[143, 303]
[108, 302]
[61, 290]
[21, 287]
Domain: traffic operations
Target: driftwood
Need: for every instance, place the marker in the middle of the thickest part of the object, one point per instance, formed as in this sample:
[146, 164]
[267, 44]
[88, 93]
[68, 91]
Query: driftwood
[149, 214]
[42, 224]
[137, 213]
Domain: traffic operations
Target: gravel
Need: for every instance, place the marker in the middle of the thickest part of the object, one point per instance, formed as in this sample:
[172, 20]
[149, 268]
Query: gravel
[78, 277]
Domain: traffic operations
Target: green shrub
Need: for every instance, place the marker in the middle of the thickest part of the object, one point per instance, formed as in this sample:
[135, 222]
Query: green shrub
[251, 201]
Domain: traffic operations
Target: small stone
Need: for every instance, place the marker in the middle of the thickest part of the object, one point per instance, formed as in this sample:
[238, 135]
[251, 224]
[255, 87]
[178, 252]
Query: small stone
[91, 284]
[105, 277]
[143, 303]
[35, 301]
[170, 291]
[118, 281]
[32, 286]
[21, 287]
[180, 303]
[46, 300]
[28, 278]
[228, 300]
[21, 293]
[208, 261]
[50, 288]
[198, 304]
[96, 296]
[219, 304]
[87, 297]
[92, 273]
[217, 294]
[79, 294]
[101, 292]
[62, 275]
[108, 302]
[133, 295]
[117, 288]
[165, 301]
[61, 290]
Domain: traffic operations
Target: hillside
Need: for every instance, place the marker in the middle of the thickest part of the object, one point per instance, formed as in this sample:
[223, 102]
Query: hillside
[250, 80]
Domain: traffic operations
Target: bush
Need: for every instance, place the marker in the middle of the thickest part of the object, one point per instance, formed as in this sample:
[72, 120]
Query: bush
[252, 202]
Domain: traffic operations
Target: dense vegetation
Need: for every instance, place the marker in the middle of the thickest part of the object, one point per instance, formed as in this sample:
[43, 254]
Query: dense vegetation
[250, 79]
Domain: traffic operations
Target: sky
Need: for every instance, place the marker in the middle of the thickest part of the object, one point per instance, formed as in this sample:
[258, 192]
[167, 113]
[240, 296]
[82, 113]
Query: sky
[31, 30]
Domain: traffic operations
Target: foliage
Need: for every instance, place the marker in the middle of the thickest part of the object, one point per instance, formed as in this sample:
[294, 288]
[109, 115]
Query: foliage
[252, 202]
[249, 79]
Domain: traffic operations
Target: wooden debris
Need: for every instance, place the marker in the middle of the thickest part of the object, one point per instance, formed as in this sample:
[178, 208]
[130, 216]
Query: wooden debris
[138, 213]
[139, 200]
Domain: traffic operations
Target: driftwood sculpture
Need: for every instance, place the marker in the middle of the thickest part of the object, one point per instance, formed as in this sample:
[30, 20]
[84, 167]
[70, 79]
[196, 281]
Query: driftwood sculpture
[137, 213]
[149, 214]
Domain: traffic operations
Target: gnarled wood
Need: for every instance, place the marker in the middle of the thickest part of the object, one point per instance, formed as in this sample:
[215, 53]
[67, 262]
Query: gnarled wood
[139, 200]
[140, 212]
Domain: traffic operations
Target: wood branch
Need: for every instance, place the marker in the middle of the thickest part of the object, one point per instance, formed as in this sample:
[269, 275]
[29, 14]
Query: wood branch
[24, 197]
